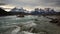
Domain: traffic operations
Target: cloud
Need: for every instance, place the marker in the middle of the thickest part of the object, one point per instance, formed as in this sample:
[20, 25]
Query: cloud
[33, 3]
[55, 3]
[2, 4]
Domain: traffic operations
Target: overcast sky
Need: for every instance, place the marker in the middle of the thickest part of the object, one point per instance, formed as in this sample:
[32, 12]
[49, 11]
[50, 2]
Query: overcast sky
[29, 4]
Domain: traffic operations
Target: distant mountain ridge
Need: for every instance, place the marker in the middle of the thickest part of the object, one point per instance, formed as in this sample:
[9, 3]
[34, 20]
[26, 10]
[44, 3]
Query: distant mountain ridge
[22, 11]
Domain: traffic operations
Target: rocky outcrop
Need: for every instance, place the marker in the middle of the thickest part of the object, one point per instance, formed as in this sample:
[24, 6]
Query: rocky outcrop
[56, 21]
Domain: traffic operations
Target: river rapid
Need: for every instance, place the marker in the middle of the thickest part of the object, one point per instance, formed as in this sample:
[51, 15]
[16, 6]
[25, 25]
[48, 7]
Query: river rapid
[13, 25]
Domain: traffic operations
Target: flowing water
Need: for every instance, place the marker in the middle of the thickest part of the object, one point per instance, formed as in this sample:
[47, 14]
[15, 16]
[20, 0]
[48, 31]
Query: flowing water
[11, 25]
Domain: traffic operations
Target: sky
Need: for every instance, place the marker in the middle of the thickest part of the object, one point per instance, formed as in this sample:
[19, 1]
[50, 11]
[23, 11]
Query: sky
[31, 4]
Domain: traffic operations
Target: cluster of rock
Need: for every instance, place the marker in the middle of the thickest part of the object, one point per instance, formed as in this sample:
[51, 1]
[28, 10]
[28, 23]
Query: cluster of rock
[56, 21]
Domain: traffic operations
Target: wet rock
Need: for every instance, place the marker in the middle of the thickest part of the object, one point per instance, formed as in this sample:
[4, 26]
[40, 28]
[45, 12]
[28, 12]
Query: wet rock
[36, 19]
[58, 23]
[33, 30]
[54, 21]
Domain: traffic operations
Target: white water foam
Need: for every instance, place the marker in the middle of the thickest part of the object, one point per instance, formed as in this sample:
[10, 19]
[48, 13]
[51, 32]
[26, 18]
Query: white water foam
[15, 31]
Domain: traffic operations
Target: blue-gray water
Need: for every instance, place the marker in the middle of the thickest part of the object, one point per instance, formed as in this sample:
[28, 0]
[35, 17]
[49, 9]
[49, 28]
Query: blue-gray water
[9, 23]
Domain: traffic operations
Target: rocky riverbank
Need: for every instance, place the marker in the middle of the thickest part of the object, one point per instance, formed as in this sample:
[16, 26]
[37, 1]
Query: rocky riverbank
[55, 20]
